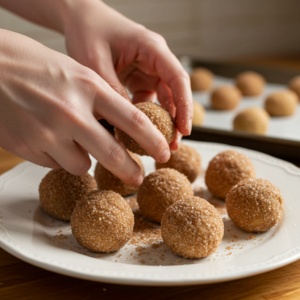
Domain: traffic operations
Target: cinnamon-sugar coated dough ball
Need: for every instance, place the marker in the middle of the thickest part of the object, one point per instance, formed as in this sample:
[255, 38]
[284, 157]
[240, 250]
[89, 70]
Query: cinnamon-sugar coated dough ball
[225, 98]
[159, 117]
[60, 191]
[108, 181]
[159, 190]
[250, 83]
[294, 85]
[225, 170]
[185, 160]
[255, 205]
[282, 103]
[201, 79]
[252, 120]
[192, 228]
[102, 222]
[199, 114]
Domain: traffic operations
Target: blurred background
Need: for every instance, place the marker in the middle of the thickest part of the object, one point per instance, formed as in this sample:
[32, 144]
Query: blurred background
[203, 29]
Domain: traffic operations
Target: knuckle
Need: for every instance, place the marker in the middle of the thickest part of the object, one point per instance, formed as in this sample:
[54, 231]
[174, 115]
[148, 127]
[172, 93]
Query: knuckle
[117, 155]
[138, 120]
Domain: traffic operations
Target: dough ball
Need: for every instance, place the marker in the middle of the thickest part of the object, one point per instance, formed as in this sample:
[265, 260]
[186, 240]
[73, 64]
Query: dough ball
[253, 120]
[159, 117]
[60, 191]
[201, 79]
[199, 114]
[159, 190]
[102, 222]
[108, 181]
[255, 205]
[294, 85]
[225, 98]
[225, 170]
[185, 160]
[282, 103]
[250, 83]
[192, 228]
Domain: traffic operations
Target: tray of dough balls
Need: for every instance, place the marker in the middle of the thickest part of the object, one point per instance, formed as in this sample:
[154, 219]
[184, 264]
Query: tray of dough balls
[211, 213]
[247, 104]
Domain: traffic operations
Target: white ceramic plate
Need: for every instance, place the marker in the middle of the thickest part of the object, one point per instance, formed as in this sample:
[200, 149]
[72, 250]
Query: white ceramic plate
[31, 235]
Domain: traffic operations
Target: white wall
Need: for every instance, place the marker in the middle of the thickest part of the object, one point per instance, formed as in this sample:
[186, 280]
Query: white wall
[209, 29]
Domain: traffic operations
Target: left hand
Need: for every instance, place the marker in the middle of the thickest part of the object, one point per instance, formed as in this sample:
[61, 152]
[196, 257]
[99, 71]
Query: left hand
[125, 53]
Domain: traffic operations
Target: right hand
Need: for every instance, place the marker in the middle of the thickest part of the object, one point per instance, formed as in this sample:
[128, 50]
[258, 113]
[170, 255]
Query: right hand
[49, 107]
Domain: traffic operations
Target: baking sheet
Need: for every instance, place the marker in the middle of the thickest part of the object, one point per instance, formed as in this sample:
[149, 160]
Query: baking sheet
[279, 127]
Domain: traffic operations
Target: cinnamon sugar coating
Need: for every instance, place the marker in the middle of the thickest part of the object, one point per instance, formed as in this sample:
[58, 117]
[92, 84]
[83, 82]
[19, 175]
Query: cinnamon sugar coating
[192, 228]
[225, 170]
[250, 83]
[255, 205]
[159, 190]
[60, 191]
[108, 181]
[199, 114]
[201, 79]
[225, 98]
[102, 222]
[185, 160]
[159, 117]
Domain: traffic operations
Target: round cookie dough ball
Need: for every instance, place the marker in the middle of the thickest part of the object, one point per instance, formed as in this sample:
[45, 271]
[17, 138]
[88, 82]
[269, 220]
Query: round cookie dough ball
[192, 228]
[60, 191]
[199, 114]
[253, 120]
[250, 83]
[102, 222]
[294, 85]
[108, 181]
[225, 98]
[201, 79]
[282, 103]
[159, 117]
[225, 170]
[255, 205]
[185, 160]
[159, 190]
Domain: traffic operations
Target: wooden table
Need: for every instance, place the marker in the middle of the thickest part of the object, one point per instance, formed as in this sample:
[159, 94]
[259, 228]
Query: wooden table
[19, 280]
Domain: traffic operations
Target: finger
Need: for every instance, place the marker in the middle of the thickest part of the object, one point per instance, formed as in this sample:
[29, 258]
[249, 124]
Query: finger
[164, 95]
[109, 152]
[105, 68]
[136, 124]
[176, 142]
[144, 96]
[70, 156]
[164, 64]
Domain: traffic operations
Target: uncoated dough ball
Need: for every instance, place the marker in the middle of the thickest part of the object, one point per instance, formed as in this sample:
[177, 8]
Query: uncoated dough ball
[201, 79]
[282, 103]
[185, 160]
[225, 98]
[60, 191]
[255, 205]
[250, 83]
[159, 190]
[102, 222]
[192, 228]
[199, 114]
[159, 117]
[294, 85]
[225, 170]
[253, 120]
[108, 181]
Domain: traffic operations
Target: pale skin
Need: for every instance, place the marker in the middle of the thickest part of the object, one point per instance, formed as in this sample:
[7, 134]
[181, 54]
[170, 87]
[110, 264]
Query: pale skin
[50, 103]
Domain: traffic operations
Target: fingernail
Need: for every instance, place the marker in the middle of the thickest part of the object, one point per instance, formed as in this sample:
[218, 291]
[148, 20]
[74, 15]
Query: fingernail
[190, 125]
[139, 180]
[165, 156]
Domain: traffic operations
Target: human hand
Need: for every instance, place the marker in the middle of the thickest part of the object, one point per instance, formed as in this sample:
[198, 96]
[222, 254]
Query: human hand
[125, 53]
[49, 107]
